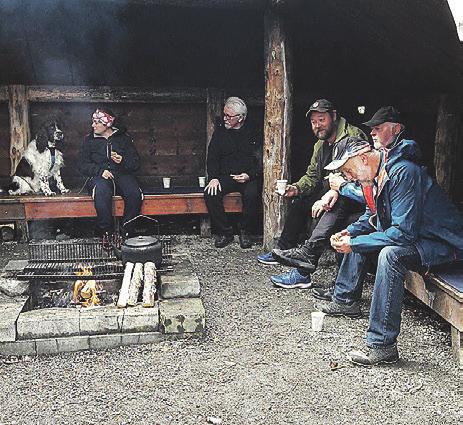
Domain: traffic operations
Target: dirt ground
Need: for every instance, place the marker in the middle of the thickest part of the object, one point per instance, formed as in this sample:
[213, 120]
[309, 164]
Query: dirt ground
[259, 363]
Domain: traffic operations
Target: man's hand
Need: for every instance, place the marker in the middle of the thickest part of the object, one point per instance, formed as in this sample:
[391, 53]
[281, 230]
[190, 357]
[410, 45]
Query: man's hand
[329, 199]
[317, 209]
[116, 157]
[212, 187]
[336, 180]
[341, 242]
[106, 174]
[240, 178]
[291, 191]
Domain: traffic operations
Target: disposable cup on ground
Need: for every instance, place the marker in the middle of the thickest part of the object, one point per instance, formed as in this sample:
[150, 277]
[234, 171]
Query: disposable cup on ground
[317, 321]
[281, 186]
[166, 182]
[202, 181]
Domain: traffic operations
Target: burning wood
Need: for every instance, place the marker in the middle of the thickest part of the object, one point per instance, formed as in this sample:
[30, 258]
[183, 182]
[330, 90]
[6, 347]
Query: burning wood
[85, 291]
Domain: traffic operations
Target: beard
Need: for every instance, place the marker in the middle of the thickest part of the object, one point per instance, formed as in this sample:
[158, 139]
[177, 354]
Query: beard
[325, 134]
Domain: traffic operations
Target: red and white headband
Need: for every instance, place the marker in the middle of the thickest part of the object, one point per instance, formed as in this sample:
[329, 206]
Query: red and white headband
[103, 118]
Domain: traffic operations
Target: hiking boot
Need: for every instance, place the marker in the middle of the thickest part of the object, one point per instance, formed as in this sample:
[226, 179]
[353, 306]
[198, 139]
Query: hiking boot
[335, 308]
[245, 241]
[373, 356]
[324, 294]
[300, 257]
[221, 241]
[292, 279]
[267, 259]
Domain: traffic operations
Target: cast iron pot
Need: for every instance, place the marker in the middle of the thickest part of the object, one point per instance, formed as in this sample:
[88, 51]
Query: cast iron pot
[141, 249]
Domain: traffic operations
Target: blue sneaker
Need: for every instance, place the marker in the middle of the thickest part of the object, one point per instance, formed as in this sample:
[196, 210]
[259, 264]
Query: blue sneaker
[267, 259]
[292, 279]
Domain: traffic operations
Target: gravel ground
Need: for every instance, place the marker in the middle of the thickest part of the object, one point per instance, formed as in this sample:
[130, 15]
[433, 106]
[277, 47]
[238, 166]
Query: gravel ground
[259, 363]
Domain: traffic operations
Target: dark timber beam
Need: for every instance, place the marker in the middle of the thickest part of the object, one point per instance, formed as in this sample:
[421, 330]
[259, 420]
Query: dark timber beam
[449, 130]
[18, 108]
[277, 122]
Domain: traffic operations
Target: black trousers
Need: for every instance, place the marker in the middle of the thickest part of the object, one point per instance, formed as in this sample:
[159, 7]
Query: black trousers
[249, 192]
[102, 191]
[344, 212]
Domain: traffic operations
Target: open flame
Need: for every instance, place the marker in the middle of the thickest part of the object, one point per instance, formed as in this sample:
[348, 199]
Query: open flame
[85, 290]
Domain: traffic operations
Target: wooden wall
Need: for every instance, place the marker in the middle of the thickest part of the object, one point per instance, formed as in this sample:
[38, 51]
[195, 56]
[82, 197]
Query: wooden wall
[170, 137]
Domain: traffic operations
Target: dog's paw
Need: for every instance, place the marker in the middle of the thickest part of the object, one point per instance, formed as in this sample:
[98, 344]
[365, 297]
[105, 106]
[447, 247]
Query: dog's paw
[64, 190]
[50, 193]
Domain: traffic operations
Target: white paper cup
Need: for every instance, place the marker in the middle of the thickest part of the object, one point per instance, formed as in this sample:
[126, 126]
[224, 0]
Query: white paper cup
[317, 321]
[202, 181]
[166, 182]
[281, 186]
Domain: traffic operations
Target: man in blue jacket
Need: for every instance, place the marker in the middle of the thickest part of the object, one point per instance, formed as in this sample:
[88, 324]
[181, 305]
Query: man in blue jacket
[109, 160]
[409, 224]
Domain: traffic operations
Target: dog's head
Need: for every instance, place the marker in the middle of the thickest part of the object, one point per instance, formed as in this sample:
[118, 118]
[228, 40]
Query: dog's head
[49, 135]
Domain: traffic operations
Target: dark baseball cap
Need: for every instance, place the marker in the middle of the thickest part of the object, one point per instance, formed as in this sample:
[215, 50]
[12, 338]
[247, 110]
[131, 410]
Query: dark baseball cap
[345, 149]
[320, 105]
[382, 115]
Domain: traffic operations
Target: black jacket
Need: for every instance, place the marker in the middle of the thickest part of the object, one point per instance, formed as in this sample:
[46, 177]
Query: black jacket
[95, 155]
[235, 152]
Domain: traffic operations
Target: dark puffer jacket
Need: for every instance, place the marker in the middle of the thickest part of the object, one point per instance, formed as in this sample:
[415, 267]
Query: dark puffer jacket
[95, 155]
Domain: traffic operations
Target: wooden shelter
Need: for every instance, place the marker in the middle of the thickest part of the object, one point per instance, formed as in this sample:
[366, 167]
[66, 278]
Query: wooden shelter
[167, 65]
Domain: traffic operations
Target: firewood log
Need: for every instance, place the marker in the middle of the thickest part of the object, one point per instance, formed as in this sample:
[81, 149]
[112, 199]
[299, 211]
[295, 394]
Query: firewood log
[149, 290]
[135, 284]
[124, 292]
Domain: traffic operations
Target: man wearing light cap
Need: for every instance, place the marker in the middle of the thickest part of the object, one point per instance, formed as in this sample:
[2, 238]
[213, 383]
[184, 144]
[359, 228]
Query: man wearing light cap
[409, 224]
[108, 159]
[329, 128]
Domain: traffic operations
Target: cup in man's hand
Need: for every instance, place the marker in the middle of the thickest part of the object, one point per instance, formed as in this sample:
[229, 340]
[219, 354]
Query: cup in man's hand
[281, 186]
[202, 181]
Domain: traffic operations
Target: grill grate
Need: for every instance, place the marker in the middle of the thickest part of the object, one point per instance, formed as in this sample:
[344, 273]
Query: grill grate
[63, 260]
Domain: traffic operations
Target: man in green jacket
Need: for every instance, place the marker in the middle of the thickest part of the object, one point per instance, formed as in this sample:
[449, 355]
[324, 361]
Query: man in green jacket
[329, 128]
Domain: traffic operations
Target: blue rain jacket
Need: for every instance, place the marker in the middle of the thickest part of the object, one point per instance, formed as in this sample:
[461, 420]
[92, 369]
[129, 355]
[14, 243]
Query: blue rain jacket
[411, 208]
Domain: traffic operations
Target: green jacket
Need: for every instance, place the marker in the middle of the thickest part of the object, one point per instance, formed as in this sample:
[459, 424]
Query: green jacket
[313, 177]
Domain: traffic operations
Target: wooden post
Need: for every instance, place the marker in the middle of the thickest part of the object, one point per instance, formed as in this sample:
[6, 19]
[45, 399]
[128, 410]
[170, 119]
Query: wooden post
[277, 122]
[448, 133]
[18, 107]
[215, 101]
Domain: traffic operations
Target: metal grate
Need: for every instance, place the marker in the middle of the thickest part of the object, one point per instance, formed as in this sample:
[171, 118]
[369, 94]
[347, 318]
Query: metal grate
[63, 260]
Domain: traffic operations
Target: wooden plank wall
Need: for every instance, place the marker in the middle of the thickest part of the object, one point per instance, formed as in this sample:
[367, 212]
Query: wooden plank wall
[170, 137]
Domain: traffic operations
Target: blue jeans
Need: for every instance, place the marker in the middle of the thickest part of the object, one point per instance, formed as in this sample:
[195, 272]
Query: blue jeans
[388, 291]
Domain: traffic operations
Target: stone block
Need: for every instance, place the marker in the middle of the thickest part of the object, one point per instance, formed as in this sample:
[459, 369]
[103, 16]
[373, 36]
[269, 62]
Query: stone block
[48, 323]
[102, 342]
[182, 282]
[13, 287]
[18, 348]
[141, 319]
[46, 346]
[182, 315]
[15, 265]
[73, 343]
[101, 320]
[9, 313]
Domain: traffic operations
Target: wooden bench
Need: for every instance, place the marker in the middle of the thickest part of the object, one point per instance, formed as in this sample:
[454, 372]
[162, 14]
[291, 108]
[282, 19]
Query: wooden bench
[443, 292]
[21, 209]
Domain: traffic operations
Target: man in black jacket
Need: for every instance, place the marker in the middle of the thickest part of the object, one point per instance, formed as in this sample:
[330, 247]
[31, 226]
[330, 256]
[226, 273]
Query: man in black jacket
[234, 164]
[108, 159]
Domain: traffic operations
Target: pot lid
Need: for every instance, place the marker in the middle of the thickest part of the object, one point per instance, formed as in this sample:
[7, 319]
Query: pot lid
[141, 241]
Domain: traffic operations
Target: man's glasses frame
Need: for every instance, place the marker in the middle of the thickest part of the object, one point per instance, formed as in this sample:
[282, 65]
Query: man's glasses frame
[229, 117]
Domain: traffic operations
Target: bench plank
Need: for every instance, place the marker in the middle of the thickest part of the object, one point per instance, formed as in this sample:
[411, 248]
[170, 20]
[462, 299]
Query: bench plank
[76, 206]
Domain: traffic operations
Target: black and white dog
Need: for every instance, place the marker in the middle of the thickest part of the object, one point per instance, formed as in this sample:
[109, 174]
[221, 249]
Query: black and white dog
[41, 161]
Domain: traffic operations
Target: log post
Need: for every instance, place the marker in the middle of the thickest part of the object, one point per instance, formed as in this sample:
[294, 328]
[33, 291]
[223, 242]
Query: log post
[214, 105]
[277, 122]
[18, 107]
[448, 133]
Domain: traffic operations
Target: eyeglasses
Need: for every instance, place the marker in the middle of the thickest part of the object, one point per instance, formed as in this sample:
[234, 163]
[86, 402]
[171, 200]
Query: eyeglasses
[229, 117]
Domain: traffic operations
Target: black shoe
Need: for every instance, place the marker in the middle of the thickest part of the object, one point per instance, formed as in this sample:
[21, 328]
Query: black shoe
[245, 241]
[335, 308]
[221, 241]
[295, 257]
[324, 294]
[373, 356]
